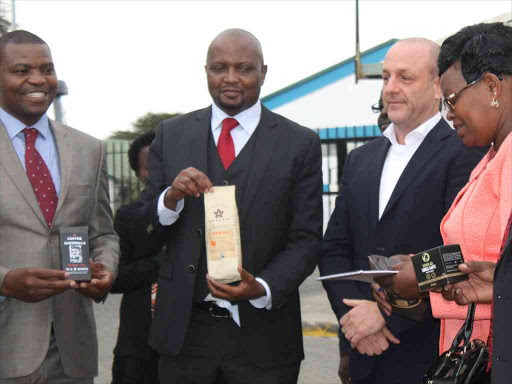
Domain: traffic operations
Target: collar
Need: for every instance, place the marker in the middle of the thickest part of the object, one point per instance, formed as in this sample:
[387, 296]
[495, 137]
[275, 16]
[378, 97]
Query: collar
[248, 119]
[14, 126]
[422, 131]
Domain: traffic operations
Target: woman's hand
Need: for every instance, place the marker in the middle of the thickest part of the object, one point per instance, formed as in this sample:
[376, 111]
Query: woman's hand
[479, 287]
[379, 294]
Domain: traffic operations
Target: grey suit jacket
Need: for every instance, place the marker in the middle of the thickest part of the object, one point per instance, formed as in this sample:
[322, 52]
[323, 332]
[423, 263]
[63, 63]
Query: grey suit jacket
[26, 241]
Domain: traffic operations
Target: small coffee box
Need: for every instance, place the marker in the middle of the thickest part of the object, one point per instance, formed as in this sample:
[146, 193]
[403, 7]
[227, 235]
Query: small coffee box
[438, 266]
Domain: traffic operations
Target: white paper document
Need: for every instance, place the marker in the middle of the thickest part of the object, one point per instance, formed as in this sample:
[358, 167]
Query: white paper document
[365, 276]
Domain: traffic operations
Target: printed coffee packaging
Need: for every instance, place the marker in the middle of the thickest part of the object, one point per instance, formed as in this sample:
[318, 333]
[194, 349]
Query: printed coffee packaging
[438, 266]
[222, 231]
[74, 252]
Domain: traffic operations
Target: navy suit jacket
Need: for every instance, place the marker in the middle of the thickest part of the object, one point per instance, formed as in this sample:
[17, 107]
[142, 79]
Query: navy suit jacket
[280, 226]
[502, 340]
[410, 223]
[138, 268]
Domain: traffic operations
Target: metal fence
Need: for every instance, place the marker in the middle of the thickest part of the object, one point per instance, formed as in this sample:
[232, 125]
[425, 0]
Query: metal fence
[124, 187]
[336, 144]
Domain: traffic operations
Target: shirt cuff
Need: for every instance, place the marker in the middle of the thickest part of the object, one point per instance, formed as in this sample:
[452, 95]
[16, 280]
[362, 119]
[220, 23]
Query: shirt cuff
[264, 301]
[165, 215]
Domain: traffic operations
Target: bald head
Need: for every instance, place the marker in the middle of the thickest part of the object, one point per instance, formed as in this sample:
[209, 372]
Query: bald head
[429, 49]
[228, 36]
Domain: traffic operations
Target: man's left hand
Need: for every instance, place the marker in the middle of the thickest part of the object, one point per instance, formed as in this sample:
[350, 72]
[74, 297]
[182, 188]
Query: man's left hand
[376, 344]
[100, 284]
[362, 320]
[248, 289]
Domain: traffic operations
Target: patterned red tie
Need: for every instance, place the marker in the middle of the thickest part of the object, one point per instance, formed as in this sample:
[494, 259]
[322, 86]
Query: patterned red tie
[40, 176]
[225, 145]
[508, 228]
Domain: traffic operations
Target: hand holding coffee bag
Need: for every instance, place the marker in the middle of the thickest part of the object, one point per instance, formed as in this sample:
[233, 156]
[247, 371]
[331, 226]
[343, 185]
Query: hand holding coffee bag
[222, 230]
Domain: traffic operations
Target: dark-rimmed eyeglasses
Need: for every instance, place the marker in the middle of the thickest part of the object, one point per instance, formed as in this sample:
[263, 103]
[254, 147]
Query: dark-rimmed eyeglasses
[449, 102]
[377, 107]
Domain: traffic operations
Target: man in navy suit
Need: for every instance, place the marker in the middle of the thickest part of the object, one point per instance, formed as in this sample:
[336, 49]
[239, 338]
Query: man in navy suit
[207, 332]
[394, 192]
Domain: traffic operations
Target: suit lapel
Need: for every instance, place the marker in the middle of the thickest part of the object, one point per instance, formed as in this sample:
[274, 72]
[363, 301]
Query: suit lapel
[198, 137]
[14, 169]
[374, 176]
[65, 152]
[428, 149]
[267, 136]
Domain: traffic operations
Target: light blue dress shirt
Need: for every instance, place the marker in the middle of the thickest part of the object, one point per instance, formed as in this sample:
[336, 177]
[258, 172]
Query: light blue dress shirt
[45, 145]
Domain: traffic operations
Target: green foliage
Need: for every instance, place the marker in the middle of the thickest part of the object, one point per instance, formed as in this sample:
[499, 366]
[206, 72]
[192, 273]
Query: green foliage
[4, 22]
[143, 124]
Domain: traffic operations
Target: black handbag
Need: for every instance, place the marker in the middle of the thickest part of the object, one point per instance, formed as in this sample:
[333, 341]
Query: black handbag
[465, 362]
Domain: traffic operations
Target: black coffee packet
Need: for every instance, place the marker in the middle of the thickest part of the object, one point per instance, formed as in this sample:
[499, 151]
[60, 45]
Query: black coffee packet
[74, 252]
[438, 266]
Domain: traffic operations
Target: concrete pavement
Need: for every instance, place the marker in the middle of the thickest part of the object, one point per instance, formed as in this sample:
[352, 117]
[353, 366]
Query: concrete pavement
[322, 357]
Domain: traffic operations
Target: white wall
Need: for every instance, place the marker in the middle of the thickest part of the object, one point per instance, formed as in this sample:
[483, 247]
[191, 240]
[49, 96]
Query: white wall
[343, 103]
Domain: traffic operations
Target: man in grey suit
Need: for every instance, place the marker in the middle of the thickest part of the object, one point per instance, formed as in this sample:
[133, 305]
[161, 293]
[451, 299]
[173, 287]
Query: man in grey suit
[51, 176]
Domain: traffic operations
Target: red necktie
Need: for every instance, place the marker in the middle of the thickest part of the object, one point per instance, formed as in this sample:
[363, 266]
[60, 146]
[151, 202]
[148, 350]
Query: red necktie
[225, 145]
[508, 228]
[39, 176]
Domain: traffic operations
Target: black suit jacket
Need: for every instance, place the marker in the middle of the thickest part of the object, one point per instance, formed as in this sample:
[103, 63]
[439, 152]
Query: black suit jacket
[502, 331]
[138, 268]
[280, 224]
[410, 223]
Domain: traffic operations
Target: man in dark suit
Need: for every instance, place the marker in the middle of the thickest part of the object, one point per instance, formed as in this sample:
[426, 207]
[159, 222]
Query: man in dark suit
[134, 361]
[394, 192]
[207, 332]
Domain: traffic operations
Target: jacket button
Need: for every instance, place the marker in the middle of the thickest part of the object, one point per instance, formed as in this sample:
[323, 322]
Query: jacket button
[191, 268]
[225, 182]
[199, 233]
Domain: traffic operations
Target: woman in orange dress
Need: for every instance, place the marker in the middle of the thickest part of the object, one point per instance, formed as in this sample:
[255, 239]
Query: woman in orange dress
[475, 66]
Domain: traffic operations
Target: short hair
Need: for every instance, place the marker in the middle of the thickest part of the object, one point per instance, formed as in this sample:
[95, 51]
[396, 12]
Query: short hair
[136, 146]
[479, 48]
[238, 33]
[19, 37]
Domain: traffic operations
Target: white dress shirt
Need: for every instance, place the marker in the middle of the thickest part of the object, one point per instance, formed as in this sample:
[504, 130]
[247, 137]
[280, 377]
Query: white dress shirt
[399, 156]
[248, 120]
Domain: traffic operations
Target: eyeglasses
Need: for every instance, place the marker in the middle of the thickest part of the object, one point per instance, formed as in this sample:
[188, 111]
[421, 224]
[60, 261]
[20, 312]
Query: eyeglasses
[449, 102]
[377, 107]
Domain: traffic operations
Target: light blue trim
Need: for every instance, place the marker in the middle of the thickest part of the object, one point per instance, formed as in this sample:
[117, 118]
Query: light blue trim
[320, 80]
[356, 132]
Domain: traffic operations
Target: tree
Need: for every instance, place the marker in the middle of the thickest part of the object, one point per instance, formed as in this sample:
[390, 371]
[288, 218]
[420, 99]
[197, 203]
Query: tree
[4, 23]
[143, 124]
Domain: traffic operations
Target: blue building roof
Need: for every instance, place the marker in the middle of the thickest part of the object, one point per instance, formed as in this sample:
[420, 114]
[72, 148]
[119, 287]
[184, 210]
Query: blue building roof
[325, 77]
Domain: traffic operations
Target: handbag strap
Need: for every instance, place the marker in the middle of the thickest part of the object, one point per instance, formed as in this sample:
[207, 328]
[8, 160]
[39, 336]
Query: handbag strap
[465, 332]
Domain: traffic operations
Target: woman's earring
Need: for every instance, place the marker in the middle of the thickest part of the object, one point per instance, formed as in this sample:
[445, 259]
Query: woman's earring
[494, 102]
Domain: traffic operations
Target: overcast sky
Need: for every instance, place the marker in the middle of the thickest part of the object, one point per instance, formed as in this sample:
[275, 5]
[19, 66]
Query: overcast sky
[121, 59]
